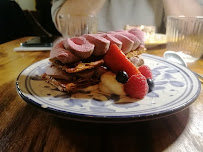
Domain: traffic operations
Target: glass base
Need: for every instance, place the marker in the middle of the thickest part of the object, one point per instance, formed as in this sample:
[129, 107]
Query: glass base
[186, 57]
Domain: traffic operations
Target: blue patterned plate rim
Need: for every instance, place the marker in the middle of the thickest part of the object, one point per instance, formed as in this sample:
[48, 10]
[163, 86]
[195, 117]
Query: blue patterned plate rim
[182, 99]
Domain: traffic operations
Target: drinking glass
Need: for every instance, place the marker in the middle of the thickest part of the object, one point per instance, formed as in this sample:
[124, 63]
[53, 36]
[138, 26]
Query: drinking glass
[77, 25]
[185, 36]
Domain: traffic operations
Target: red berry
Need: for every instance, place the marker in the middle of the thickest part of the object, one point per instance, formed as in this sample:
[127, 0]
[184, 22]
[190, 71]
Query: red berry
[146, 71]
[116, 61]
[136, 86]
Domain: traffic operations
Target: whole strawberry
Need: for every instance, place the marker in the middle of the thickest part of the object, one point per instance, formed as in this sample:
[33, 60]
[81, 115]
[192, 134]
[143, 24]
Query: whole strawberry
[145, 71]
[136, 86]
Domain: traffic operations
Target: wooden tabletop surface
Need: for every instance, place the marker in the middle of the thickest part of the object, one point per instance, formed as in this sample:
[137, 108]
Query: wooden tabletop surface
[24, 128]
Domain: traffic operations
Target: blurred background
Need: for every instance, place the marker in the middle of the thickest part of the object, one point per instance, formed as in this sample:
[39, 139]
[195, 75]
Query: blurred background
[27, 4]
[25, 18]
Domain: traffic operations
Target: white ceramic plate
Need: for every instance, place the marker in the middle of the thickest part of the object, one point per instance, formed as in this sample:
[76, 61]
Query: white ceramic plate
[176, 87]
[157, 39]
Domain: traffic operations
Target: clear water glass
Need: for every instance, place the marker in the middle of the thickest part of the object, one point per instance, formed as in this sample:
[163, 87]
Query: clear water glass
[77, 25]
[185, 36]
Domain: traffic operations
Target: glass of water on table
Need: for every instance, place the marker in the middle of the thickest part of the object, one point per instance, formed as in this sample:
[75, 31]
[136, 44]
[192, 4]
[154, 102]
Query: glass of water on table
[185, 36]
[73, 25]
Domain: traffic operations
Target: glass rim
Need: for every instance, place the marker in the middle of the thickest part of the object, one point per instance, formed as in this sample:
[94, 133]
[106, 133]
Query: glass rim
[186, 17]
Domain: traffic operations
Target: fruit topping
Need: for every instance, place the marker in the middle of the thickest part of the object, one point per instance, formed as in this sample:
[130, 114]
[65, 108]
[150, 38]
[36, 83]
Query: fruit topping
[150, 83]
[109, 84]
[122, 77]
[116, 61]
[136, 86]
[145, 71]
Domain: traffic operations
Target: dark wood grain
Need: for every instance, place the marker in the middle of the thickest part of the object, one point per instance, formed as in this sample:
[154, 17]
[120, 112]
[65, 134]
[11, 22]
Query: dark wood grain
[24, 128]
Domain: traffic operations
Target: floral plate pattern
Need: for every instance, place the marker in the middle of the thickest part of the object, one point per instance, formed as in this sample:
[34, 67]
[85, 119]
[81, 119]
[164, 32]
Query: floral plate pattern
[176, 87]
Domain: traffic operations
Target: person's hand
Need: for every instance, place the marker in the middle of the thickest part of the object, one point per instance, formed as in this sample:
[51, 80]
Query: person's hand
[183, 7]
[81, 7]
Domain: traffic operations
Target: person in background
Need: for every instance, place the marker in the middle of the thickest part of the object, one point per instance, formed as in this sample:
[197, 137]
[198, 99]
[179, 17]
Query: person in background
[43, 9]
[16, 23]
[13, 22]
[115, 14]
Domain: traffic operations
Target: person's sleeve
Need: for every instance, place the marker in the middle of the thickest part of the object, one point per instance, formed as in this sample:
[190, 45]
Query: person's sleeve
[200, 2]
[56, 5]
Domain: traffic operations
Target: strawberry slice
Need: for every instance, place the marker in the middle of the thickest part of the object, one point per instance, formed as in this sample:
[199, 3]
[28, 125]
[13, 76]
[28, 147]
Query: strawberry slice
[116, 61]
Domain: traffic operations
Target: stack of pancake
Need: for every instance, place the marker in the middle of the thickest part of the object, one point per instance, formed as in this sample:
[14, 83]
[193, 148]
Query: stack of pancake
[77, 63]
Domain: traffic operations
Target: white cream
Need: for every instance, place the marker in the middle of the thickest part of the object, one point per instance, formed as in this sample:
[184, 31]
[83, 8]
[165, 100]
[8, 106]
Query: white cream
[110, 85]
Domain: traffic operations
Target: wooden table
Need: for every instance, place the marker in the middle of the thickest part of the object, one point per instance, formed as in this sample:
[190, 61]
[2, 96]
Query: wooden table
[26, 128]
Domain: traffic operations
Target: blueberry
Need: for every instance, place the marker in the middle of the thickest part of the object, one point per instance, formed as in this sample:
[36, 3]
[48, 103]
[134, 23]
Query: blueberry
[122, 77]
[150, 84]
